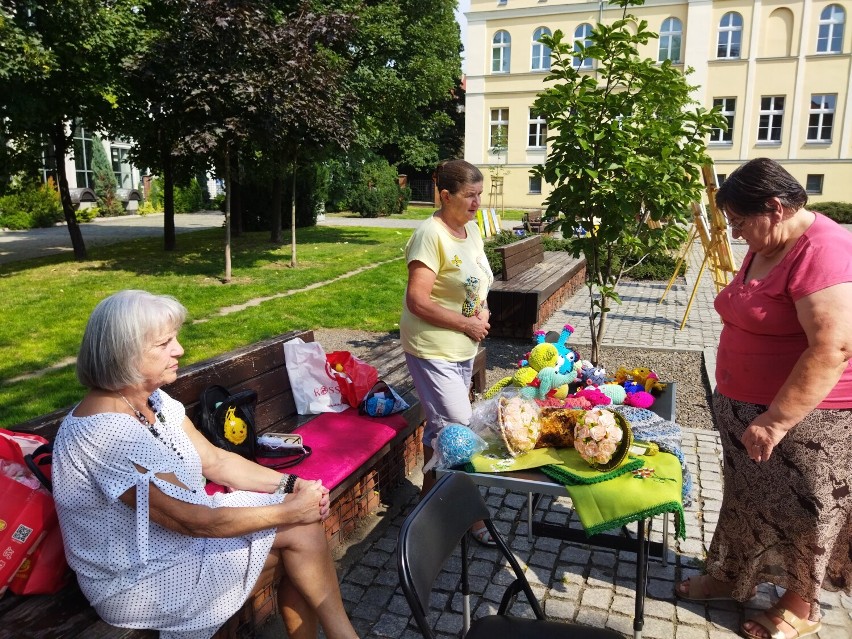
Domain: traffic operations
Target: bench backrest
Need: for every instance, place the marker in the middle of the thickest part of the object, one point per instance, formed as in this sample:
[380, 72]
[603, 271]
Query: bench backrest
[259, 366]
[521, 255]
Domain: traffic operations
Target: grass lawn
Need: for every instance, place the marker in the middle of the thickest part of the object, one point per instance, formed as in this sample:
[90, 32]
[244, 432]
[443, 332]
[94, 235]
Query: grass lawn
[48, 300]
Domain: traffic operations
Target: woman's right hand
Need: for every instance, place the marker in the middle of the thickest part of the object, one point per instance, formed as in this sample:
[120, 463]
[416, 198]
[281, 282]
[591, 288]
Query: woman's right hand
[308, 502]
[476, 327]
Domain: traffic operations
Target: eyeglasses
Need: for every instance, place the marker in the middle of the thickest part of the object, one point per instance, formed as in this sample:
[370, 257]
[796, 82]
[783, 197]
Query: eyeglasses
[736, 225]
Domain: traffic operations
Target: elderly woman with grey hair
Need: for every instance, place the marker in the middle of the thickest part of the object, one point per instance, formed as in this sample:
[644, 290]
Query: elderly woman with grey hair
[150, 547]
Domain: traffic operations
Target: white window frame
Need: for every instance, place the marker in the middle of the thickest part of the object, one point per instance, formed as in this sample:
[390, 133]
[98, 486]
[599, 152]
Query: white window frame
[82, 145]
[536, 131]
[821, 117]
[501, 52]
[499, 119]
[730, 36]
[124, 174]
[771, 118]
[830, 33]
[582, 33]
[671, 31]
[540, 55]
[728, 111]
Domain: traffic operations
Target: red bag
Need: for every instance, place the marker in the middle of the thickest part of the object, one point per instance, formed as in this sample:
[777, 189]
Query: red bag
[32, 558]
[355, 376]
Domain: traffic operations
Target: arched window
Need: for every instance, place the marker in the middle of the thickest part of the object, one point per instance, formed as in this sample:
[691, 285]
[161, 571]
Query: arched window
[730, 35]
[540, 52]
[830, 36]
[501, 52]
[581, 36]
[670, 39]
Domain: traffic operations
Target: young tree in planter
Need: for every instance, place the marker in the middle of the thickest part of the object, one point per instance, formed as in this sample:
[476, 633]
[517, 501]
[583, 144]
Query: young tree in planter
[624, 153]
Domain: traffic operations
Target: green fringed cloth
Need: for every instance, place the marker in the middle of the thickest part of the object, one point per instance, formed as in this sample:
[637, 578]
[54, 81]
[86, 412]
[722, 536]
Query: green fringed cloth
[495, 459]
[651, 490]
[571, 469]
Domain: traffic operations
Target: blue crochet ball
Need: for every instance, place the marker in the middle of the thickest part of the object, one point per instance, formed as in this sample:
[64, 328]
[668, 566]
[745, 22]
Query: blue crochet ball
[457, 444]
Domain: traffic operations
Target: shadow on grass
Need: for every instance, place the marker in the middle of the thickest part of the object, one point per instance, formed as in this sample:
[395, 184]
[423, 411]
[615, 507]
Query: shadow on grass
[201, 252]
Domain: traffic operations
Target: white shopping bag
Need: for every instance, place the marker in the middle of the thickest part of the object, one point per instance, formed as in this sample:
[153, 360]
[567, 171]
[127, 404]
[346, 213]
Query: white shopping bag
[314, 390]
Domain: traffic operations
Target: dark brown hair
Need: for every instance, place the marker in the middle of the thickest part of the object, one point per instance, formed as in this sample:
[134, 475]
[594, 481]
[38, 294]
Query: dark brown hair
[453, 175]
[746, 191]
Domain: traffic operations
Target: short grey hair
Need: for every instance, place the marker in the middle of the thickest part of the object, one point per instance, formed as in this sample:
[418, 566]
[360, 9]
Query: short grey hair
[117, 334]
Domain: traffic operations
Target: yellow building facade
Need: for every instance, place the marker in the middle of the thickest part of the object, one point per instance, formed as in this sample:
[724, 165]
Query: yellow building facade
[779, 70]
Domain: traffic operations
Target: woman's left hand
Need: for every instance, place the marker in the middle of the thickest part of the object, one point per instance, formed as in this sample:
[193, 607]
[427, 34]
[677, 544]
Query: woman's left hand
[761, 437]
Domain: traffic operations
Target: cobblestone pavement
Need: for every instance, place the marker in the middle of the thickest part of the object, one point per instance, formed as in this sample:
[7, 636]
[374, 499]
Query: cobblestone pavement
[575, 582]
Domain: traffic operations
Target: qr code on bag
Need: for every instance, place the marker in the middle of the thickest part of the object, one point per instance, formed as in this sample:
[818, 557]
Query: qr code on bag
[22, 533]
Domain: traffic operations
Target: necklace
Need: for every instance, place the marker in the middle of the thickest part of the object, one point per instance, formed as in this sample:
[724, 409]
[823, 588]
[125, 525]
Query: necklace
[150, 426]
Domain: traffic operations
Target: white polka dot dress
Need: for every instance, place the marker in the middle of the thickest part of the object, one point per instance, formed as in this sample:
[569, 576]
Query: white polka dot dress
[136, 573]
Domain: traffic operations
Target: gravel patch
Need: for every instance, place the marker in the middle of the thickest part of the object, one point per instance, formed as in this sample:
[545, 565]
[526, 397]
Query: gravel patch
[686, 368]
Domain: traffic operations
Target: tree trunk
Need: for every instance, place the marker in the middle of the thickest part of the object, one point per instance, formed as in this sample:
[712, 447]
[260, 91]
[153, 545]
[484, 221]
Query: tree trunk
[60, 148]
[228, 184]
[235, 192]
[294, 262]
[277, 203]
[169, 239]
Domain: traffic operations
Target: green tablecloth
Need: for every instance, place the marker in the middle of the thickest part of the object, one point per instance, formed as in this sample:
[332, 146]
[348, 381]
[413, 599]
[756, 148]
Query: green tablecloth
[640, 494]
[641, 487]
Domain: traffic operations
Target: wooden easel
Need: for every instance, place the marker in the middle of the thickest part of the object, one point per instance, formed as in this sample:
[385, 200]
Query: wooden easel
[715, 240]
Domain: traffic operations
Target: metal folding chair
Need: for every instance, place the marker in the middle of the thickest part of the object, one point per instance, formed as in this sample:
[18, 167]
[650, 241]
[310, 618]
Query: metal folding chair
[427, 540]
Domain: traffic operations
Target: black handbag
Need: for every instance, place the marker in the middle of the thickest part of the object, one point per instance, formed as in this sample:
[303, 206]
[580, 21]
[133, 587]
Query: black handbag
[227, 419]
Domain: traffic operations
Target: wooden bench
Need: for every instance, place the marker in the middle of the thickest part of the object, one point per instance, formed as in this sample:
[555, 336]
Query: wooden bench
[532, 222]
[260, 367]
[533, 284]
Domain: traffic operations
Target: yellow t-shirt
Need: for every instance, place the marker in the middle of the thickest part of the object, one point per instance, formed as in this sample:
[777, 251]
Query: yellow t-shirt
[462, 280]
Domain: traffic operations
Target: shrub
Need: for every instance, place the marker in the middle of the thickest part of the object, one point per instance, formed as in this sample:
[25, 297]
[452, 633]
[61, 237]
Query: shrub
[840, 212]
[32, 205]
[146, 208]
[217, 203]
[377, 192]
[189, 198]
[87, 215]
[12, 217]
[104, 182]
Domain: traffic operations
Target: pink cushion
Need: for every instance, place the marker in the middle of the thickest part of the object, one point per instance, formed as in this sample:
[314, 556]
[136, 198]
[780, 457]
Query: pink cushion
[341, 443]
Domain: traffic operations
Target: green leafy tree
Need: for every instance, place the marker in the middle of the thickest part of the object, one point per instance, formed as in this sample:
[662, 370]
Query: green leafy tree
[63, 66]
[624, 154]
[226, 77]
[407, 67]
[105, 184]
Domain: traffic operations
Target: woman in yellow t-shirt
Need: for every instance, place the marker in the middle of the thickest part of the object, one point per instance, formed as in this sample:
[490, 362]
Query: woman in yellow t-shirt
[445, 314]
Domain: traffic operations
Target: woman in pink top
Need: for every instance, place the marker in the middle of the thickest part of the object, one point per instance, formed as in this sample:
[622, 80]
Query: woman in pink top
[782, 405]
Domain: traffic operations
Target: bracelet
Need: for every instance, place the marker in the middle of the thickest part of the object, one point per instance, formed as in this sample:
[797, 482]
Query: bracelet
[286, 485]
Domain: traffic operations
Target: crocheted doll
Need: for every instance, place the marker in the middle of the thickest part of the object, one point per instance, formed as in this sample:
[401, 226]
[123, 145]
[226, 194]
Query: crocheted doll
[567, 355]
[538, 379]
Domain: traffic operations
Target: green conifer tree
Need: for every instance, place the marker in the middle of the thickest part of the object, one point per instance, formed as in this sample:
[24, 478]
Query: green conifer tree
[104, 180]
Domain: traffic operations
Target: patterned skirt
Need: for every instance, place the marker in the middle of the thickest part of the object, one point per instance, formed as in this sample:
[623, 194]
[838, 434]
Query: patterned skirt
[788, 520]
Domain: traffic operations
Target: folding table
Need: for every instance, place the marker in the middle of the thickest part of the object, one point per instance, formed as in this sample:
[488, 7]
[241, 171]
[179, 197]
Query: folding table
[536, 484]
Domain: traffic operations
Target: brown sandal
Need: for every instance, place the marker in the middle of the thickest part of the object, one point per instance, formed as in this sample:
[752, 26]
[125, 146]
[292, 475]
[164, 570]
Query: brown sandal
[803, 627]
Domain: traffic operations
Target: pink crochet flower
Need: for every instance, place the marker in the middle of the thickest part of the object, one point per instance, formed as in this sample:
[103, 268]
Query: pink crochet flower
[596, 438]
